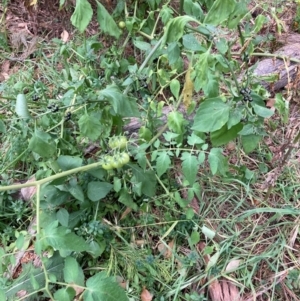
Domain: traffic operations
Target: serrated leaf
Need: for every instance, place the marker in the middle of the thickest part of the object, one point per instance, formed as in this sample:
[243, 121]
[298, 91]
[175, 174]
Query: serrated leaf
[176, 122]
[163, 163]
[22, 107]
[107, 23]
[98, 190]
[65, 294]
[194, 139]
[225, 135]
[89, 126]
[219, 12]
[250, 142]
[212, 114]
[73, 272]
[126, 199]
[61, 239]
[100, 288]
[217, 161]
[82, 15]
[69, 162]
[122, 104]
[175, 28]
[190, 167]
[147, 178]
[42, 144]
[191, 43]
[193, 9]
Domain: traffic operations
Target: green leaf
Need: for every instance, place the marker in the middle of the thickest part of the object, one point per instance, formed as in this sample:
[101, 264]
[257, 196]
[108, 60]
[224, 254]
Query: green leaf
[235, 116]
[65, 294]
[217, 161]
[261, 111]
[60, 238]
[175, 28]
[82, 15]
[195, 237]
[42, 144]
[107, 23]
[122, 104]
[193, 9]
[191, 43]
[22, 107]
[250, 142]
[100, 287]
[96, 249]
[212, 114]
[163, 163]
[63, 217]
[176, 122]
[259, 23]
[73, 272]
[90, 126]
[190, 167]
[98, 190]
[175, 87]
[239, 12]
[173, 52]
[194, 139]
[69, 162]
[77, 192]
[282, 106]
[224, 135]
[147, 178]
[126, 199]
[52, 195]
[219, 12]
[166, 13]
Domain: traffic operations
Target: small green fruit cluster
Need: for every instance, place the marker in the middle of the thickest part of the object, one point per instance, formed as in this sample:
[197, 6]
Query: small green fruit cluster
[119, 159]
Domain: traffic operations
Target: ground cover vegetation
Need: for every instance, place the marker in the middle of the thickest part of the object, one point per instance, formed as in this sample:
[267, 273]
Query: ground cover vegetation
[141, 159]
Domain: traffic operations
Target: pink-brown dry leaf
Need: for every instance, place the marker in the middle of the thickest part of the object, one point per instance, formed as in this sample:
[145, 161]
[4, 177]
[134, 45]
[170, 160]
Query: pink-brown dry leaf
[170, 249]
[5, 66]
[28, 192]
[223, 290]
[64, 36]
[146, 295]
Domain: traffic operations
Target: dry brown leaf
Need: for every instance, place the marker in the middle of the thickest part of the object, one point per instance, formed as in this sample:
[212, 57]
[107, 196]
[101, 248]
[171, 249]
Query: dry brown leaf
[28, 192]
[125, 213]
[146, 295]
[223, 290]
[5, 66]
[64, 36]
[169, 250]
[188, 89]
[232, 265]
[270, 103]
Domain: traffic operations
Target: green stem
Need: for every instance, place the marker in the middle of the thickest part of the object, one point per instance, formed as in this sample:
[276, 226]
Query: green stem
[52, 178]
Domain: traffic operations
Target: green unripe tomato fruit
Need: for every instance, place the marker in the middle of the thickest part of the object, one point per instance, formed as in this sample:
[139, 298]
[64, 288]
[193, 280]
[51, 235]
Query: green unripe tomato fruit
[122, 24]
[107, 163]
